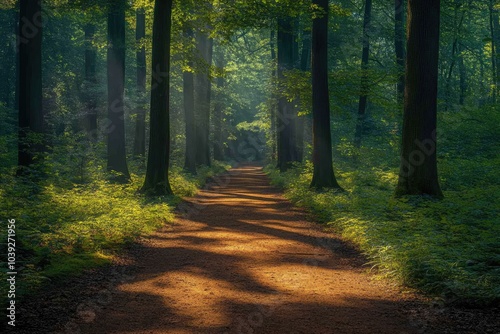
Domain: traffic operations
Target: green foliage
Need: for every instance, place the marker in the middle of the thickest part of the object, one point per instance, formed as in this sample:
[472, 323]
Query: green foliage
[64, 228]
[447, 248]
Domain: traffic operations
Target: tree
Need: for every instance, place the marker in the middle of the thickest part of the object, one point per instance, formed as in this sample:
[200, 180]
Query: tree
[495, 46]
[418, 170]
[91, 82]
[218, 144]
[323, 176]
[399, 38]
[117, 162]
[157, 181]
[203, 93]
[189, 111]
[363, 98]
[274, 98]
[287, 112]
[31, 118]
[140, 125]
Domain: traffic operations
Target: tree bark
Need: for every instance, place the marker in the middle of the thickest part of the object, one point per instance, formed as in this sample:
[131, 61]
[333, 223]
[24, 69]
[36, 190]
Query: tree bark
[287, 113]
[203, 93]
[363, 98]
[463, 78]
[323, 176]
[218, 108]
[157, 181]
[399, 33]
[31, 118]
[189, 107]
[496, 48]
[274, 98]
[418, 170]
[140, 125]
[91, 79]
[117, 162]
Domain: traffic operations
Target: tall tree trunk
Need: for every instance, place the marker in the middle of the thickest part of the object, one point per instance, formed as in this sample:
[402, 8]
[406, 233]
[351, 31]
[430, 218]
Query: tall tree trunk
[218, 108]
[363, 98]
[287, 113]
[91, 79]
[455, 54]
[463, 77]
[274, 98]
[323, 176]
[189, 107]
[305, 65]
[117, 161]
[203, 93]
[31, 118]
[157, 182]
[496, 49]
[399, 33]
[494, 52]
[418, 171]
[140, 125]
[8, 72]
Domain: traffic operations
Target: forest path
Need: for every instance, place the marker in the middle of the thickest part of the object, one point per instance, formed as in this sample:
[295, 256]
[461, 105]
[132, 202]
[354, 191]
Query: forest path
[244, 260]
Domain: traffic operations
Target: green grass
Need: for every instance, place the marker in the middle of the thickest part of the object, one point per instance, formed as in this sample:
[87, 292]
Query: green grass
[449, 249]
[63, 229]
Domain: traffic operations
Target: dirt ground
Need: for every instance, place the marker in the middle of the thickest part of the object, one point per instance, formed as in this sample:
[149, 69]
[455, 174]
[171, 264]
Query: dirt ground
[242, 259]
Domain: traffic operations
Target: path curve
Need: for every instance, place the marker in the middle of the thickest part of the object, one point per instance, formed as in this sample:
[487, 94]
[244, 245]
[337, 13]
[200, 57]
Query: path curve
[244, 260]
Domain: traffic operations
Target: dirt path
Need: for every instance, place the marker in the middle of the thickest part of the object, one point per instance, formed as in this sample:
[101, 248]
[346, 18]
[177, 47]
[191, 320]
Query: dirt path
[244, 260]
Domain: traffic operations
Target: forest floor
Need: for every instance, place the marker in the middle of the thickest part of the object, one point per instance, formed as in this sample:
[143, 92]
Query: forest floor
[242, 259]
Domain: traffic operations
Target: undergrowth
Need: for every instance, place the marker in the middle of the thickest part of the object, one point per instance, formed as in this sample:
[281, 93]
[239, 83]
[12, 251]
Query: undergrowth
[448, 249]
[63, 228]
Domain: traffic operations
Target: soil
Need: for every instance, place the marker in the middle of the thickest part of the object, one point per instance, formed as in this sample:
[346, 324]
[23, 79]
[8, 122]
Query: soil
[242, 259]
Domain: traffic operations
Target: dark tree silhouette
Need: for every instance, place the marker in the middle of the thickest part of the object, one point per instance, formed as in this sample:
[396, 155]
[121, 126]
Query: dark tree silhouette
[157, 182]
[363, 98]
[203, 93]
[287, 113]
[117, 162]
[218, 109]
[323, 176]
[91, 81]
[399, 40]
[189, 111]
[31, 118]
[418, 171]
[140, 125]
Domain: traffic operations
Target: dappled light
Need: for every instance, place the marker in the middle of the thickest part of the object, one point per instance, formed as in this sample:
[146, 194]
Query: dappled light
[249, 259]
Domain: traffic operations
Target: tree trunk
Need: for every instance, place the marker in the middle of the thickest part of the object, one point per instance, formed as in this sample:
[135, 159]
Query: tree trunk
[305, 65]
[157, 182]
[274, 98]
[455, 54]
[323, 176]
[140, 125]
[363, 98]
[31, 118]
[218, 108]
[463, 78]
[418, 171]
[189, 107]
[203, 92]
[287, 113]
[399, 33]
[494, 46]
[91, 79]
[117, 162]
[496, 49]
[8, 72]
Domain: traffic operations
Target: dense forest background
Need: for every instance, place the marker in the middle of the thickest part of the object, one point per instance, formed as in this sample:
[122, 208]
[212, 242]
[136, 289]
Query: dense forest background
[235, 66]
